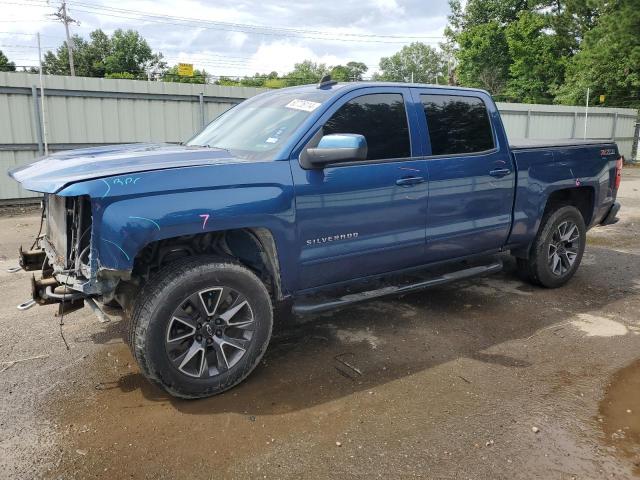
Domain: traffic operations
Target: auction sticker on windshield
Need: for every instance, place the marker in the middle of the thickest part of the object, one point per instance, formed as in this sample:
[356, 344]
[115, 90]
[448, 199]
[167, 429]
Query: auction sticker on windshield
[304, 105]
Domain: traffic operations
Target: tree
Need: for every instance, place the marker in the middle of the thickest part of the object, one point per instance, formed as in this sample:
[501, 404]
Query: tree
[274, 83]
[306, 72]
[171, 75]
[518, 47]
[482, 52]
[228, 82]
[608, 62]
[129, 53]
[479, 12]
[356, 70]
[123, 52]
[340, 73]
[537, 58]
[58, 63]
[351, 72]
[5, 64]
[259, 80]
[121, 76]
[97, 51]
[483, 57]
[420, 61]
[88, 56]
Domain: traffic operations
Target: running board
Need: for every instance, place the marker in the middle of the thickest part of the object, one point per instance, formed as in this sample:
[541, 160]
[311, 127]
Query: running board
[306, 307]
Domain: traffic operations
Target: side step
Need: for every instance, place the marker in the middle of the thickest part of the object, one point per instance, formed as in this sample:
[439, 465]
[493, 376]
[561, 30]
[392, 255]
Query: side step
[308, 306]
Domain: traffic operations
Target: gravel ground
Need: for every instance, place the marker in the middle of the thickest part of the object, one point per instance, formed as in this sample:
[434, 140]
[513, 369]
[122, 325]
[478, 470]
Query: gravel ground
[490, 378]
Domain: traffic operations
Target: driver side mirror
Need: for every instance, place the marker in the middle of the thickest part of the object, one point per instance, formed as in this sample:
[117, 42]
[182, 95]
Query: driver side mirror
[335, 148]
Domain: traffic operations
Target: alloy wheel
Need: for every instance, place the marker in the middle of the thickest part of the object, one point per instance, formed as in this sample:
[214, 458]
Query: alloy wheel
[209, 332]
[563, 248]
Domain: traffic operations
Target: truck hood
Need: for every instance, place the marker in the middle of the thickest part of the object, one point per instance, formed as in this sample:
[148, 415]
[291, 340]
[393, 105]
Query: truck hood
[54, 172]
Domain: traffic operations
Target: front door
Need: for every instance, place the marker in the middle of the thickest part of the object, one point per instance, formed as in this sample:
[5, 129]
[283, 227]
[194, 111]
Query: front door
[471, 173]
[363, 217]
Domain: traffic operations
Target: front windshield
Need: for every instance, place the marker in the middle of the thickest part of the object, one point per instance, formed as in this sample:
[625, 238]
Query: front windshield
[256, 129]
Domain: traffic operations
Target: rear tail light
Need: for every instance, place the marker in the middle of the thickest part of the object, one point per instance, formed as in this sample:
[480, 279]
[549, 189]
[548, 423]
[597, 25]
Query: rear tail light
[619, 163]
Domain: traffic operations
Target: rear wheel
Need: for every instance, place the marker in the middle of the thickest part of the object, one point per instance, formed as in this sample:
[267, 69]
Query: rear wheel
[201, 326]
[557, 249]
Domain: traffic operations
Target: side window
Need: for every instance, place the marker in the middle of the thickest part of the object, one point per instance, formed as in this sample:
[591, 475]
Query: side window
[457, 124]
[381, 118]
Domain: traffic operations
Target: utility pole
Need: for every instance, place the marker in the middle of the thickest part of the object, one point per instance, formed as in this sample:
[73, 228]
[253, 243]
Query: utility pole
[44, 114]
[586, 115]
[61, 15]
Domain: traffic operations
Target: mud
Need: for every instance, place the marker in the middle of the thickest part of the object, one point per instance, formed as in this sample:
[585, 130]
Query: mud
[486, 379]
[620, 413]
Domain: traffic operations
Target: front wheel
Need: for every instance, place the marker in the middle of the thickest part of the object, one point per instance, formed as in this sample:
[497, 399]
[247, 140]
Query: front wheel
[557, 249]
[200, 326]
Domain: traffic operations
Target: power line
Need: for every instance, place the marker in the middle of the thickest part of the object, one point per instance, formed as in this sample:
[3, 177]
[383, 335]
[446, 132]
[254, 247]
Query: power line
[251, 29]
[210, 60]
[14, 20]
[22, 46]
[278, 29]
[30, 34]
[229, 61]
[28, 3]
[240, 27]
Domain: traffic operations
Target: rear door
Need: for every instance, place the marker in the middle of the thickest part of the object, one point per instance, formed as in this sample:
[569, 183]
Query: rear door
[471, 173]
[363, 217]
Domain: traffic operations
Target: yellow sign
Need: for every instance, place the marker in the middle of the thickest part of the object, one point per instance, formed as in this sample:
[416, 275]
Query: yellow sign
[185, 69]
[602, 98]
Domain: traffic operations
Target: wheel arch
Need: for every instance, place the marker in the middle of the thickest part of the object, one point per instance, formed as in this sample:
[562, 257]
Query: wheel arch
[583, 198]
[252, 247]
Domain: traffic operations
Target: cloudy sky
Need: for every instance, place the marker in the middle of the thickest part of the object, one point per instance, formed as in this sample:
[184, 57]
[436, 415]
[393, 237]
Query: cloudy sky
[235, 37]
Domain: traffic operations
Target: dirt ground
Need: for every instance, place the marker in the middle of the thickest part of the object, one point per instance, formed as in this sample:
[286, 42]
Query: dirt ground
[487, 379]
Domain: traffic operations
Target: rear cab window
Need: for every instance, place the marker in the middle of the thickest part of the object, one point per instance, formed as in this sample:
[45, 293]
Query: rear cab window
[381, 118]
[457, 124]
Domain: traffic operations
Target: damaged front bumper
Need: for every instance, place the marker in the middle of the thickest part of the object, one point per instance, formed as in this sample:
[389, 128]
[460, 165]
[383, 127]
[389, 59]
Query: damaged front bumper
[49, 289]
[67, 289]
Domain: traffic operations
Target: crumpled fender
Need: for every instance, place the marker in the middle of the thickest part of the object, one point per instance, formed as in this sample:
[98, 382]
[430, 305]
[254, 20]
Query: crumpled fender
[131, 211]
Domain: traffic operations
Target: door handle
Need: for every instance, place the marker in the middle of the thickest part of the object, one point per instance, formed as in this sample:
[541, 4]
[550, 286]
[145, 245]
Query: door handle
[500, 172]
[408, 181]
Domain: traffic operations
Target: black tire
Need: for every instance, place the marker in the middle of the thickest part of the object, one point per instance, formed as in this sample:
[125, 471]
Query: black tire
[157, 332]
[541, 267]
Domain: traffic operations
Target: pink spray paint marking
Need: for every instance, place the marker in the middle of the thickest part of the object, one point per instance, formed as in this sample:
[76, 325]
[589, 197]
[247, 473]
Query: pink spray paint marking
[206, 218]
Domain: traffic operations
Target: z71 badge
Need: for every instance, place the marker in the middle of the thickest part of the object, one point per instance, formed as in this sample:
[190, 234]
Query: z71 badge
[607, 151]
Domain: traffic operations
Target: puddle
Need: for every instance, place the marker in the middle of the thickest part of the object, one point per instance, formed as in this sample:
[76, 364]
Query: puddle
[595, 326]
[620, 413]
[358, 336]
[497, 286]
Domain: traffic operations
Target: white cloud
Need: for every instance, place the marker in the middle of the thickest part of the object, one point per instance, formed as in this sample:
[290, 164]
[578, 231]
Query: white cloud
[279, 56]
[223, 51]
[389, 6]
[237, 39]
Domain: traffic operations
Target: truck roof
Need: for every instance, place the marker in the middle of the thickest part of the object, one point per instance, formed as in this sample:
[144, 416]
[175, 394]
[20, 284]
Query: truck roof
[348, 86]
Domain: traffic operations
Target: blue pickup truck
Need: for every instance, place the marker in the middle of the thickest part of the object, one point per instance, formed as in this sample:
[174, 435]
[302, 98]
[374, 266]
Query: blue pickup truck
[306, 198]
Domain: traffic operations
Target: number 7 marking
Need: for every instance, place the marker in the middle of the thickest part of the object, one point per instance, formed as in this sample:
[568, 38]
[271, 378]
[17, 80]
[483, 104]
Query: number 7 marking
[205, 216]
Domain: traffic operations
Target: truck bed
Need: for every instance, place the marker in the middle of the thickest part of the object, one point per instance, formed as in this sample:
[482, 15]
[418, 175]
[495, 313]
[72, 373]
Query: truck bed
[527, 143]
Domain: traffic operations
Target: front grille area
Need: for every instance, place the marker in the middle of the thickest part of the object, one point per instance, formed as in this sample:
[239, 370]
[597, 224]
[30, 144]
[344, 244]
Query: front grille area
[57, 228]
[68, 233]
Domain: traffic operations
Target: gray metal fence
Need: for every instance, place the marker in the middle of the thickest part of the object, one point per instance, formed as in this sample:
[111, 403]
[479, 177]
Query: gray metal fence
[562, 122]
[82, 112]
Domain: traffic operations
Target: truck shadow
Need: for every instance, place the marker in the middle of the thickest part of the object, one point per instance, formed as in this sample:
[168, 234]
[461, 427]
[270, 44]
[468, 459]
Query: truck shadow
[362, 347]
